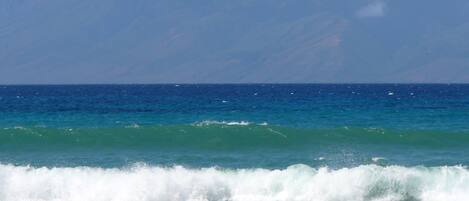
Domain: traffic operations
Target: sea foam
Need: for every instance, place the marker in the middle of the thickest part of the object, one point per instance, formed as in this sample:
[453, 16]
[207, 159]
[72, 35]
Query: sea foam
[227, 123]
[298, 182]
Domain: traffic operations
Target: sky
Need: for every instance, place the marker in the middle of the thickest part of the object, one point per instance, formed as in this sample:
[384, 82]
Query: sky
[243, 41]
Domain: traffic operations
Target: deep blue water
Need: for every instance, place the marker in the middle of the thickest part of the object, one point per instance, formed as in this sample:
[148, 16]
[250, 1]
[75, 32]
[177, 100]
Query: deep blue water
[429, 107]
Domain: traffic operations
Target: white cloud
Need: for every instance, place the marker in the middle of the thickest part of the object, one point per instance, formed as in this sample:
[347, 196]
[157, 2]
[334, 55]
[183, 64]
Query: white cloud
[374, 9]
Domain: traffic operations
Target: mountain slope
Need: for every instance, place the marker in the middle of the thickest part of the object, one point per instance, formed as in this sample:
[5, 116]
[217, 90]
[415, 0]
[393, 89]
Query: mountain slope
[118, 41]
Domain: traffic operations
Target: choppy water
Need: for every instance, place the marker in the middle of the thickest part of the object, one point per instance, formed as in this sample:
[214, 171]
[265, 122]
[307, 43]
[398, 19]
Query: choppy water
[234, 142]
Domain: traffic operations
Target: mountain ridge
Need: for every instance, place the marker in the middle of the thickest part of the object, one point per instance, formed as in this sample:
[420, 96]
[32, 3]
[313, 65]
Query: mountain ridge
[246, 41]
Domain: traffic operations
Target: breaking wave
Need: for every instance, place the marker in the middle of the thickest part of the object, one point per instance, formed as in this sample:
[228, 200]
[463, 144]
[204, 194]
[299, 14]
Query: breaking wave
[298, 182]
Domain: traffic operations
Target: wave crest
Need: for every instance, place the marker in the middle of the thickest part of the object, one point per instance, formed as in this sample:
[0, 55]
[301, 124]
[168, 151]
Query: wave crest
[228, 123]
[298, 182]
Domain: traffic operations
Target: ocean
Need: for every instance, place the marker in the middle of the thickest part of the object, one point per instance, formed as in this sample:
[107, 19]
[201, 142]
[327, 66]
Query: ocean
[211, 142]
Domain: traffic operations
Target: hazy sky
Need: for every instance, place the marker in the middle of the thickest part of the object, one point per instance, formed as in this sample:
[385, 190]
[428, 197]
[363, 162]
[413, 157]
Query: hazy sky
[243, 41]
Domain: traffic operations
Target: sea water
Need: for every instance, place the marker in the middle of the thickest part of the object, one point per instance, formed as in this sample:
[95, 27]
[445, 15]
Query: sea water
[331, 142]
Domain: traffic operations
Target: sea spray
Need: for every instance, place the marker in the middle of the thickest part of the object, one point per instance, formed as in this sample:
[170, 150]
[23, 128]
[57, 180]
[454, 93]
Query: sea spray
[298, 182]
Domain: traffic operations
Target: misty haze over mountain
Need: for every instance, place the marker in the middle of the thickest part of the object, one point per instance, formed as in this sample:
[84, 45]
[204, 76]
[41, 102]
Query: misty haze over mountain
[242, 41]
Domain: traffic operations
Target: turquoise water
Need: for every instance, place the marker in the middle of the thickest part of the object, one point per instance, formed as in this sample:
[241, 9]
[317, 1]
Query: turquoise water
[234, 142]
[231, 146]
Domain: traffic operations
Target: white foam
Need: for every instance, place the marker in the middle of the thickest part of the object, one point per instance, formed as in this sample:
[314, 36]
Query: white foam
[228, 123]
[15, 128]
[299, 182]
[134, 125]
[377, 159]
[320, 158]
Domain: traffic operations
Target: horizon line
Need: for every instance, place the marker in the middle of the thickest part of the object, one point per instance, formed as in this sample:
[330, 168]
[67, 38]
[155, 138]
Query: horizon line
[240, 83]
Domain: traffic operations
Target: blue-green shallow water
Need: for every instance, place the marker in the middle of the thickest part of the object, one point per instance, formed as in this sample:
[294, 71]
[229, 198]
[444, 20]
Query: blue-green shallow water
[235, 146]
[236, 126]
[267, 142]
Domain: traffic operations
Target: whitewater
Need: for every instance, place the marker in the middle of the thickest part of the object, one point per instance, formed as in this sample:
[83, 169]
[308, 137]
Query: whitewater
[298, 182]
